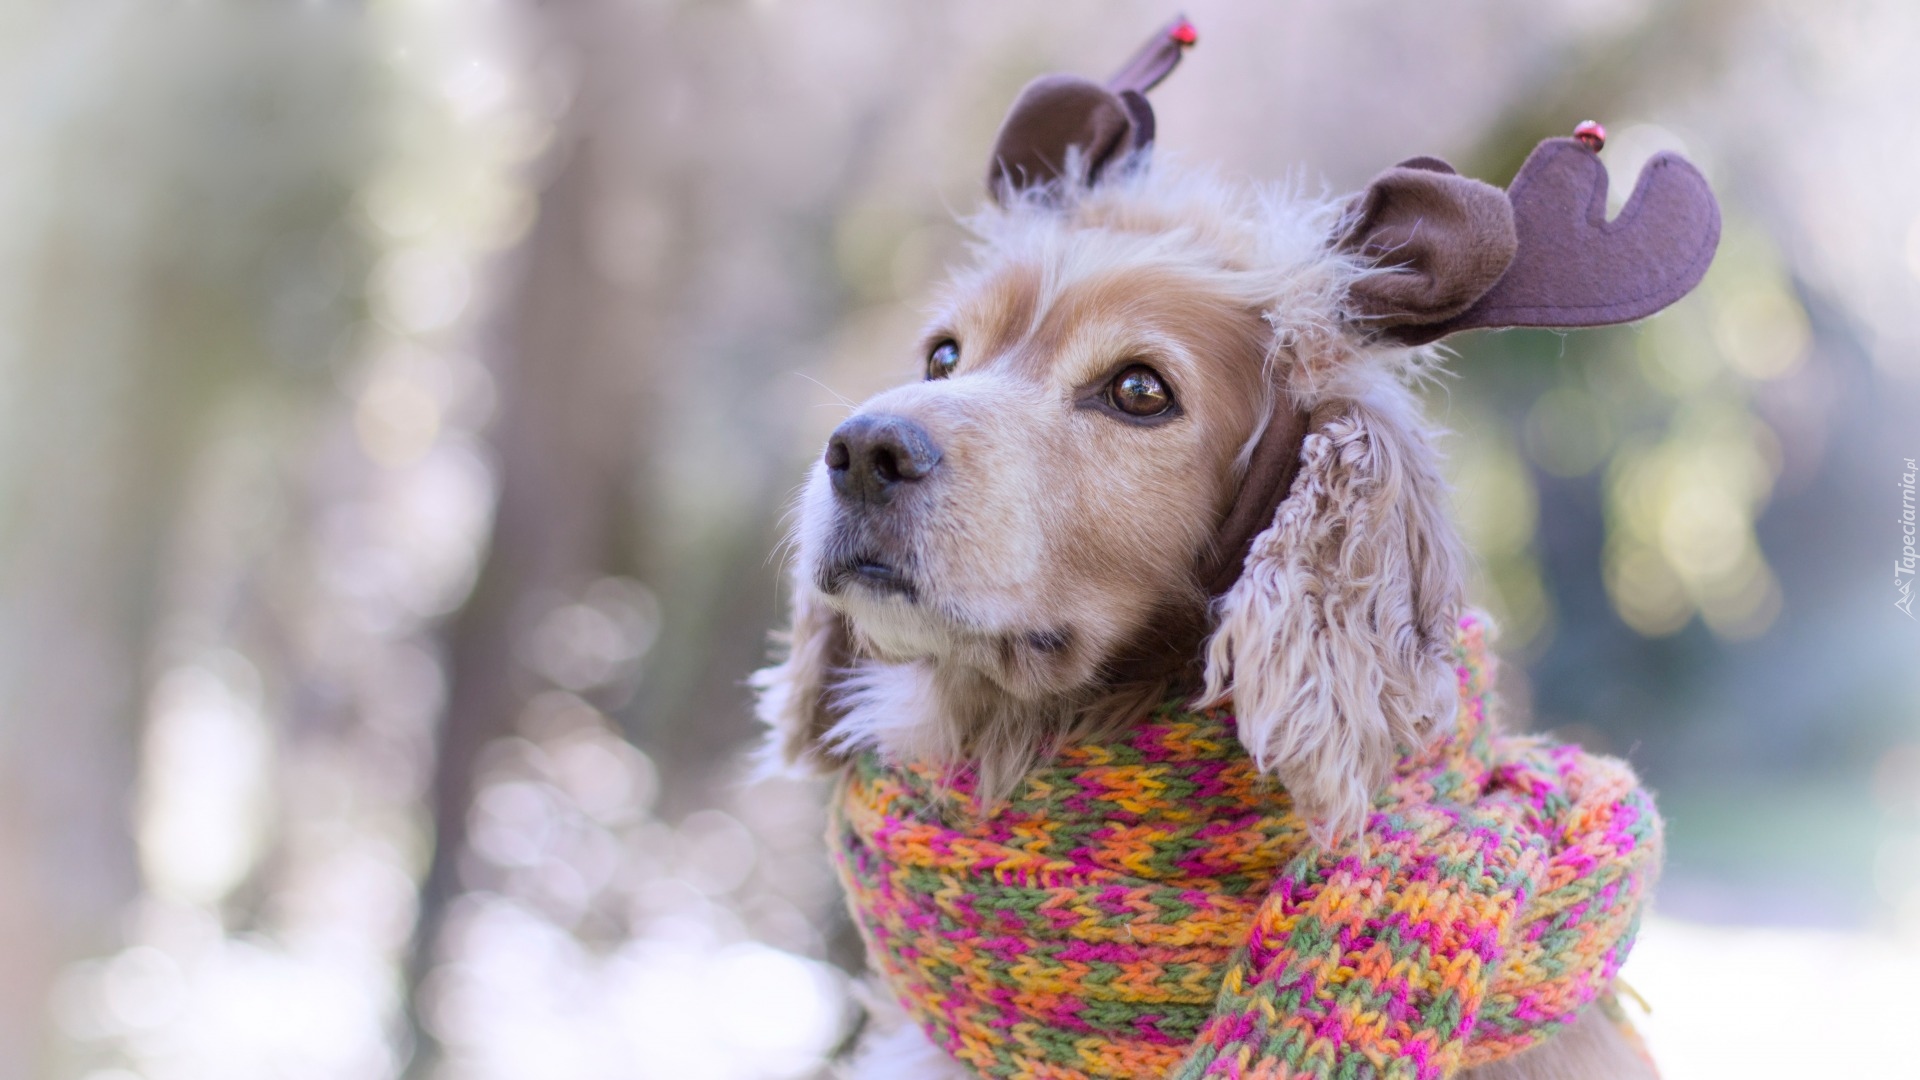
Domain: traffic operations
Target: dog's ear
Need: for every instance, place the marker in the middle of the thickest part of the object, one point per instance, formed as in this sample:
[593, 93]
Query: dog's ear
[1456, 254]
[793, 697]
[1065, 131]
[1334, 643]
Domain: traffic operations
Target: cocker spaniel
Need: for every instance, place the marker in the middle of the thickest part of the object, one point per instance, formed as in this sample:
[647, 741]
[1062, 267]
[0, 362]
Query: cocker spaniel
[1166, 446]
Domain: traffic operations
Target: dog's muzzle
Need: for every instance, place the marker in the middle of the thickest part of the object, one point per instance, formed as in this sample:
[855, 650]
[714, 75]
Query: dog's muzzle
[870, 458]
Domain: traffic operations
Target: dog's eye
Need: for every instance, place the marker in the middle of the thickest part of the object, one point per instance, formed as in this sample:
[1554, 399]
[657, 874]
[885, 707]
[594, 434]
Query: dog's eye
[943, 359]
[1140, 391]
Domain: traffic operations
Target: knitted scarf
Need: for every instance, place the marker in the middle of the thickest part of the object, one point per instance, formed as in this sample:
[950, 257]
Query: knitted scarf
[1153, 907]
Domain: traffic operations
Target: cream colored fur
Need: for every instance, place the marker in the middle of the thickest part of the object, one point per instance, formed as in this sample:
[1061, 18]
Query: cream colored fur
[1235, 293]
[1334, 644]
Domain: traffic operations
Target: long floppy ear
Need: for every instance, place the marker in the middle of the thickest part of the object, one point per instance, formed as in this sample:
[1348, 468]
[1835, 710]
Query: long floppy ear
[1334, 642]
[791, 697]
[1067, 130]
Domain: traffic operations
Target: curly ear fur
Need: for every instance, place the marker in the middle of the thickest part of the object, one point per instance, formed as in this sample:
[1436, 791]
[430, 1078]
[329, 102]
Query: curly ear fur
[1334, 643]
[791, 697]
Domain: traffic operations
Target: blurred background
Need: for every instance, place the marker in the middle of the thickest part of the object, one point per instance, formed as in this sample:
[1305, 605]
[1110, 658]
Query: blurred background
[399, 401]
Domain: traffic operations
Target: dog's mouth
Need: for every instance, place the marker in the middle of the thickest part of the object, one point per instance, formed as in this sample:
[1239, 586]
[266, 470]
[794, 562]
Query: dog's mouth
[868, 571]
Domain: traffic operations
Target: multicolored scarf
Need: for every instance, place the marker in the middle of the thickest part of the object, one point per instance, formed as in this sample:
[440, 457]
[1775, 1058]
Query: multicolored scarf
[1153, 907]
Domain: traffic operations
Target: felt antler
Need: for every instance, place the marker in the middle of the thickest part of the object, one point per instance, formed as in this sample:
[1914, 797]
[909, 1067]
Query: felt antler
[1566, 264]
[1056, 114]
[1157, 58]
[1576, 268]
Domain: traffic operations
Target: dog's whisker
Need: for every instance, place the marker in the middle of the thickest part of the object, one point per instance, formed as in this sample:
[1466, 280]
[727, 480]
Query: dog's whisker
[843, 399]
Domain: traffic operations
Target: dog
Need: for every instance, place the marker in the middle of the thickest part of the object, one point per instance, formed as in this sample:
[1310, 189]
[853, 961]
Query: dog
[1167, 445]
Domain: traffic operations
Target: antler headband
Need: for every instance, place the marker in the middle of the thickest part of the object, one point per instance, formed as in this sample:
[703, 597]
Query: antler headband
[1056, 114]
[1567, 265]
[1461, 254]
[1448, 253]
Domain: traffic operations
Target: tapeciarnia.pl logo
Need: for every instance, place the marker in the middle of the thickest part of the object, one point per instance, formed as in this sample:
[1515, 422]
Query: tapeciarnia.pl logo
[1903, 566]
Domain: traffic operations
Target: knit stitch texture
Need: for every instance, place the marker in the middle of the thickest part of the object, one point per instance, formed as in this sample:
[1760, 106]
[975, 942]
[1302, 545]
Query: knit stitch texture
[1153, 907]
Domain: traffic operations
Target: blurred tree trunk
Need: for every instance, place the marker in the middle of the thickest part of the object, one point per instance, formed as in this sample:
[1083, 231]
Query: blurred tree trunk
[563, 451]
[80, 577]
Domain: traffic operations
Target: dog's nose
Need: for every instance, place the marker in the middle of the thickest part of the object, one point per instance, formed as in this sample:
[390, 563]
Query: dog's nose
[869, 457]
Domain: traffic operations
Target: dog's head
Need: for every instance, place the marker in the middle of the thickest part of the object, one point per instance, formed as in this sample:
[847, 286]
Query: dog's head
[1164, 440]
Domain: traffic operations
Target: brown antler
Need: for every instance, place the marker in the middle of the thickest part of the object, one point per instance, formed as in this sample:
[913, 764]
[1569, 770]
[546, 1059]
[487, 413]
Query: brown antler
[1572, 267]
[1056, 113]
[1156, 59]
